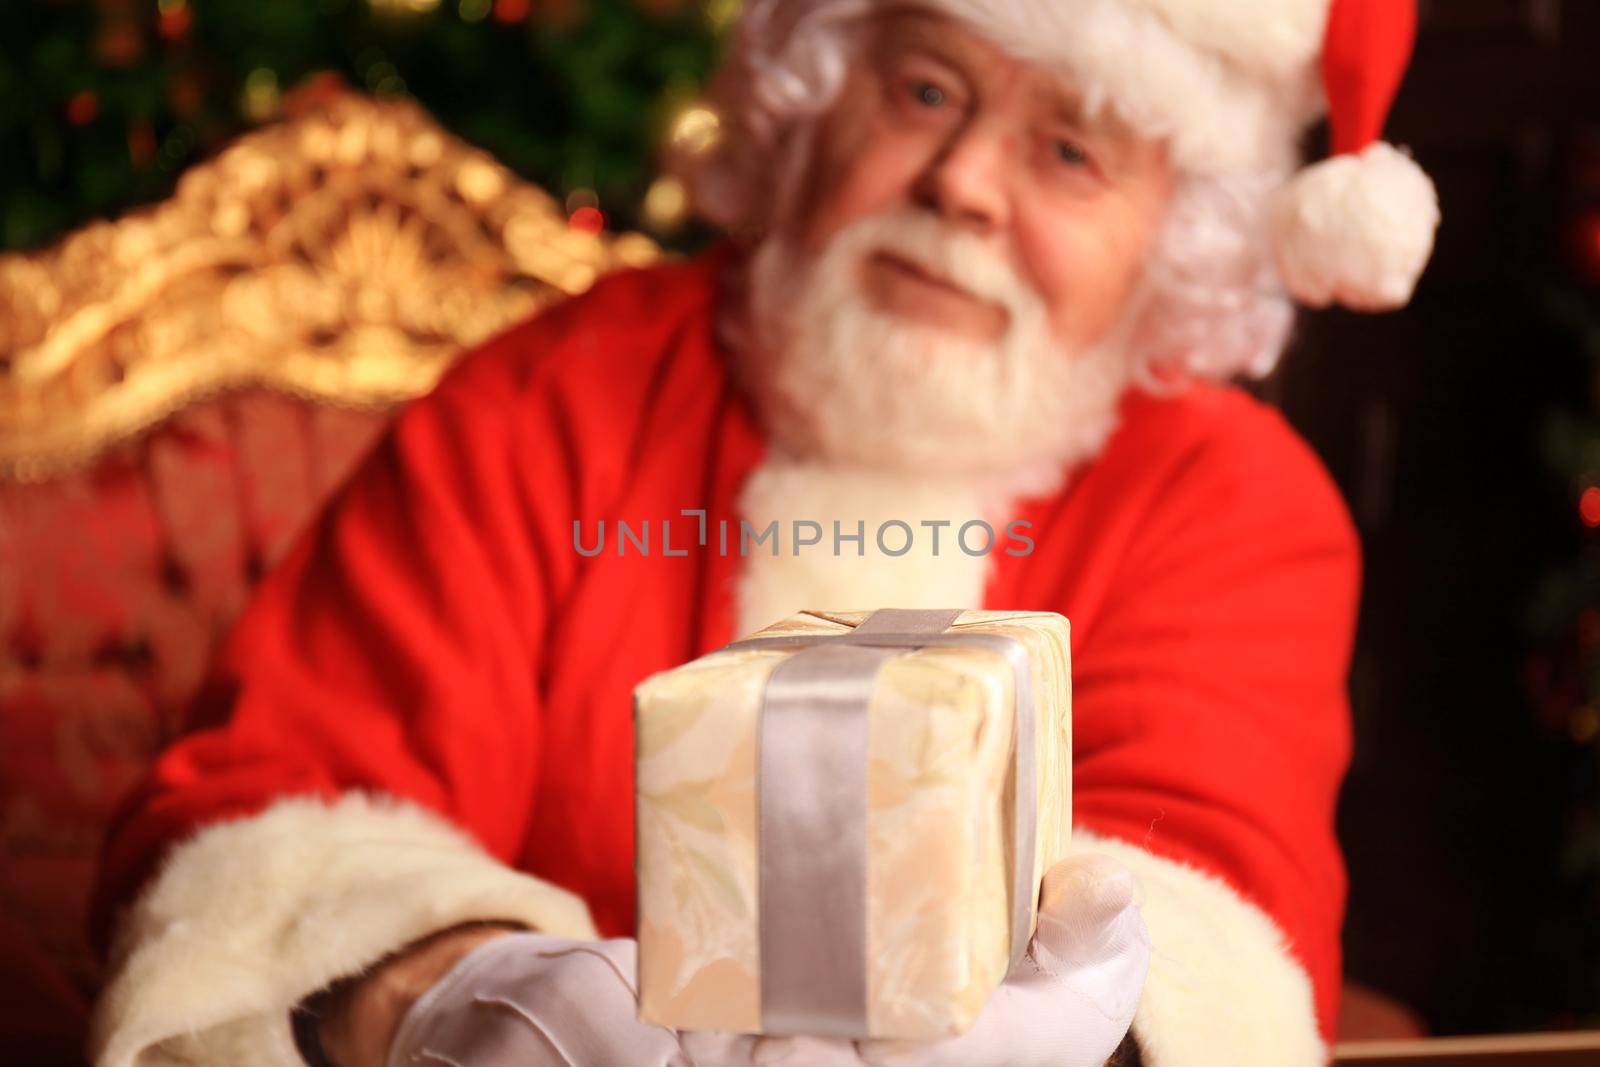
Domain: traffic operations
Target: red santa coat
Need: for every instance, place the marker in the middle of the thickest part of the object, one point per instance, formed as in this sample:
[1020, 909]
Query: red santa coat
[435, 654]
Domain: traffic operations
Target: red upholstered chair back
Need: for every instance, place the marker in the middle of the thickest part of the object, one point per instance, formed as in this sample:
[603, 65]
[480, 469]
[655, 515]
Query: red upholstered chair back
[180, 391]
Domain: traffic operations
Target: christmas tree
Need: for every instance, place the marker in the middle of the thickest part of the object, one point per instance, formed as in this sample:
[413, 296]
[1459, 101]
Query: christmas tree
[1563, 674]
[103, 103]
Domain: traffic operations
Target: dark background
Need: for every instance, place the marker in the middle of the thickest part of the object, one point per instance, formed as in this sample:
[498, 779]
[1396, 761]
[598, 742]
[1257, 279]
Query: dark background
[1464, 431]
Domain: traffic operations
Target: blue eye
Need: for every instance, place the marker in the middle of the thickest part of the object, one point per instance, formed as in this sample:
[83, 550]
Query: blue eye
[1069, 153]
[927, 94]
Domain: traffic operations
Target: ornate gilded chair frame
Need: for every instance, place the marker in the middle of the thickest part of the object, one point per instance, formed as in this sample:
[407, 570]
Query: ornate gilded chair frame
[346, 254]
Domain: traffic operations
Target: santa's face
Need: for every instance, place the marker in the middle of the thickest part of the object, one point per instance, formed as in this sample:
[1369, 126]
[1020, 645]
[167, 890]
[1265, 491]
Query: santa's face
[953, 292]
[936, 119]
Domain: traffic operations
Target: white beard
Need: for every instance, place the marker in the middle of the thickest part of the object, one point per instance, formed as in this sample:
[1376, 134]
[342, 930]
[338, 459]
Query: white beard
[839, 381]
[873, 418]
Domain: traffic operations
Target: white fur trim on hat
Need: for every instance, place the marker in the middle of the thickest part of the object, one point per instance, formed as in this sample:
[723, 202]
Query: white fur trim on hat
[1223, 987]
[1356, 230]
[247, 917]
[1276, 39]
[1220, 111]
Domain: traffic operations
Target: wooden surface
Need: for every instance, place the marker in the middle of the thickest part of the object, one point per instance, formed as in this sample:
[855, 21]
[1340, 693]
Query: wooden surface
[1575, 1049]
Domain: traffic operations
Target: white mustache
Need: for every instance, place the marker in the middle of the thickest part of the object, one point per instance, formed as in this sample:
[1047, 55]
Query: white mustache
[839, 379]
[956, 256]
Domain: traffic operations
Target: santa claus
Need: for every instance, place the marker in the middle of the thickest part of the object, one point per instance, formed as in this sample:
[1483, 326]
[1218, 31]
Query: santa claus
[992, 263]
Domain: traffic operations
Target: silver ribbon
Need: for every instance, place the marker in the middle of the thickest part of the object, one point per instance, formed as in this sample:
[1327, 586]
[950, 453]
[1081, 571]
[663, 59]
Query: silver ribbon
[812, 799]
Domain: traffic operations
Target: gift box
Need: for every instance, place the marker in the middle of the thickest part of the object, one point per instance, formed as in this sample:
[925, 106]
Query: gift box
[843, 820]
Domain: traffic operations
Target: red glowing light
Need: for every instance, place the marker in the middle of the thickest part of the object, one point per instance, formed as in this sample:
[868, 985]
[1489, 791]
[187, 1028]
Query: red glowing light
[1585, 244]
[174, 23]
[83, 107]
[1589, 506]
[510, 11]
[591, 220]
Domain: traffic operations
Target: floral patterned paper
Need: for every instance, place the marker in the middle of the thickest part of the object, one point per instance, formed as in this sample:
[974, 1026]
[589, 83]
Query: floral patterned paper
[939, 790]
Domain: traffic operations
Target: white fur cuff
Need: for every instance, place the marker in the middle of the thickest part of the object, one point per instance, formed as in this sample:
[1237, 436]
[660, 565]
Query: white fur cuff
[1222, 986]
[249, 916]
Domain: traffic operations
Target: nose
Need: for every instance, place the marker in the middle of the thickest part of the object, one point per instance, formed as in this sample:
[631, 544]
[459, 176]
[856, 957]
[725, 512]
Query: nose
[965, 182]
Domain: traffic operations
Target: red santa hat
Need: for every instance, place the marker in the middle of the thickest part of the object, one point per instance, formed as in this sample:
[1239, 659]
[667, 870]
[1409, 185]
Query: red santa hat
[1357, 228]
[1232, 85]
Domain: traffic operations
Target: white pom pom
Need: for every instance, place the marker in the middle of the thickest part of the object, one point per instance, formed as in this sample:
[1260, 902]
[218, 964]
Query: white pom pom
[1356, 230]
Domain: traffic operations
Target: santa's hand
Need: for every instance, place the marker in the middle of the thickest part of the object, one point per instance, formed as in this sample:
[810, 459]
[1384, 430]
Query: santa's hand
[1072, 1001]
[1069, 1006]
[530, 1000]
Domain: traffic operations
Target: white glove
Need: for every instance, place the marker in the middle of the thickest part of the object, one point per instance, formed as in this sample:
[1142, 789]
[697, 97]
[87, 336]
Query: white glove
[1085, 973]
[1070, 1006]
[529, 1000]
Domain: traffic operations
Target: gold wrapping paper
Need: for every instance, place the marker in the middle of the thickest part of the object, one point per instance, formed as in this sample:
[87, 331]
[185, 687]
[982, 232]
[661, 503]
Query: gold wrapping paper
[939, 822]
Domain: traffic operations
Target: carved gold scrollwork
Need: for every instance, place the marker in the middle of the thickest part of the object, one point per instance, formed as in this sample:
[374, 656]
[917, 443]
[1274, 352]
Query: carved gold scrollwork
[346, 255]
